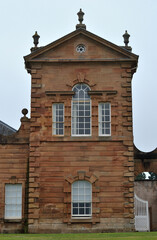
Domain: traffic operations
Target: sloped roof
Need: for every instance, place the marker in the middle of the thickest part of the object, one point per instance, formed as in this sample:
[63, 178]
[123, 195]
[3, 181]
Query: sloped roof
[35, 55]
[5, 129]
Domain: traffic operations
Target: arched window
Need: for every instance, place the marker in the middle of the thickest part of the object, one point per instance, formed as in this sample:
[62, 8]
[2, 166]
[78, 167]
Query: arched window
[81, 111]
[81, 199]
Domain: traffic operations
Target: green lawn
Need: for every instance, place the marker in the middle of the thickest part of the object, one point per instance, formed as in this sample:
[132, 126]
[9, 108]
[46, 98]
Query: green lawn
[85, 236]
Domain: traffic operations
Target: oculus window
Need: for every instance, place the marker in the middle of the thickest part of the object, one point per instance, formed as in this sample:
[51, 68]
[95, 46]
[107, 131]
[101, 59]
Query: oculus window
[81, 48]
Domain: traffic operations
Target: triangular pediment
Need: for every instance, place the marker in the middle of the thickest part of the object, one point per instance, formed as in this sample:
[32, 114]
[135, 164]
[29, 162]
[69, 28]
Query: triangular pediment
[96, 49]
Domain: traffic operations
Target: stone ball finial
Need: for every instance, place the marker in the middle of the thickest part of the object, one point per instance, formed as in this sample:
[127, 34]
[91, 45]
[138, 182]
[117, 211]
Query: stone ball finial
[24, 111]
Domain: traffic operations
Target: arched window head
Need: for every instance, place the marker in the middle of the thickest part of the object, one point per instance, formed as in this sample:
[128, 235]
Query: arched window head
[81, 111]
[81, 199]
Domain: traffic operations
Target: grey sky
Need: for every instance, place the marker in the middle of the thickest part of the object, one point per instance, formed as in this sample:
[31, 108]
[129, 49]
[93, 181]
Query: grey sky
[55, 18]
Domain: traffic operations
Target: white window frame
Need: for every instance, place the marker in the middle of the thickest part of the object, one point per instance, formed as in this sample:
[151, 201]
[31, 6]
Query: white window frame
[104, 119]
[74, 122]
[13, 201]
[76, 198]
[55, 121]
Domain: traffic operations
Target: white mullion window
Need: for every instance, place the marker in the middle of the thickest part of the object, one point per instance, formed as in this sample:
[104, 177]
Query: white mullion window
[13, 201]
[81, 199]
[104, 119]
[58, 119]
[81, 111]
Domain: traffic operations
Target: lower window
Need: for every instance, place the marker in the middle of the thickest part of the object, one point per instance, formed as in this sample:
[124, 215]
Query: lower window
[13, 201]
[81, 199]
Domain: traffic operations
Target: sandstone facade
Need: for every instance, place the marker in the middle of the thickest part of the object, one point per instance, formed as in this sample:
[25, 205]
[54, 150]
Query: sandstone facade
[47, 165]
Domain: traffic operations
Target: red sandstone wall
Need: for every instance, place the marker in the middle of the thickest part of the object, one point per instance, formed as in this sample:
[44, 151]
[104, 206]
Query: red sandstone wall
[53, 159]
[14, 154]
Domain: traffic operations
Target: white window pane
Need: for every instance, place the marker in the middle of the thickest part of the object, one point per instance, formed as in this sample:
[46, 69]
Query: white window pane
[104, 119]
[75, 184]
[58, 119]
[80, 191]
[107, 118]
[81, 107]
[87, 198]
[19, 200]
[13, 201]
[88, 191]
[81, 200]
[54, 112]
[87, 184]
[75, 198]
[75, 191]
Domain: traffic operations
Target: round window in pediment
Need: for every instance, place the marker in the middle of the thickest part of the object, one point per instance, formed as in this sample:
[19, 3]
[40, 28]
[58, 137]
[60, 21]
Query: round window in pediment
[81, 48]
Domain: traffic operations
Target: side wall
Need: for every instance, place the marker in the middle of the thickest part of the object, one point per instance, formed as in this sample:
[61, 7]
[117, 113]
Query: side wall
[14, 154]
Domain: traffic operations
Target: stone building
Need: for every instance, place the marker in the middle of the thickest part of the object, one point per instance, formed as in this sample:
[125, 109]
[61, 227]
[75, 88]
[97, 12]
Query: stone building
[70, 167]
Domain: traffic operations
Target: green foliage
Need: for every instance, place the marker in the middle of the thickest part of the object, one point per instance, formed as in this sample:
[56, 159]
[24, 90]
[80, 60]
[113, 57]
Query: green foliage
[152, 176]
[141, 176]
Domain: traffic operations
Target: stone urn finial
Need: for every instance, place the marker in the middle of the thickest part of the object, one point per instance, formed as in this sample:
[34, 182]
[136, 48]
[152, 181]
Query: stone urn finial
[36, 41]
[126, 38]
[80, 18]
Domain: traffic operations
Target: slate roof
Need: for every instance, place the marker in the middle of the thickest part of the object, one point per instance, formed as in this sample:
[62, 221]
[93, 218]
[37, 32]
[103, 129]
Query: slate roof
[5, 129]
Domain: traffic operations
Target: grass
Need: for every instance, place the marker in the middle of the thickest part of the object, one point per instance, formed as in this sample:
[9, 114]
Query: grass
[81, 236]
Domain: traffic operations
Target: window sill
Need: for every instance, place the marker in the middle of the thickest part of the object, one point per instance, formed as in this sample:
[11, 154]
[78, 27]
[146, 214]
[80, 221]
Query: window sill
[81, 220]
[12, 220]
[91, 220]
[84, 218]
[81, 136]
[54, 135]
[107, 137]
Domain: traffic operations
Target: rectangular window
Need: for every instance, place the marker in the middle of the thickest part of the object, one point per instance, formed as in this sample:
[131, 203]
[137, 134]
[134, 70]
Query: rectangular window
[81, 118]
[58, 119]
[104, 119]
[13, 201]
[81, 199]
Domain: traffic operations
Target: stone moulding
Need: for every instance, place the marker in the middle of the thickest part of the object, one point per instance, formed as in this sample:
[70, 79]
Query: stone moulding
[81, 175]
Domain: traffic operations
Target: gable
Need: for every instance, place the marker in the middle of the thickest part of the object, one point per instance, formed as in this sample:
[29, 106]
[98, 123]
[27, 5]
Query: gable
[97, 49]
[93, 50]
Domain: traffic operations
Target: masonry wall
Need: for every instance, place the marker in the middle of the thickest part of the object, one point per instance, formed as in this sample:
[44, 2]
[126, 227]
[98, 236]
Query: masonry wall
[55, 162]
[14, 156]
